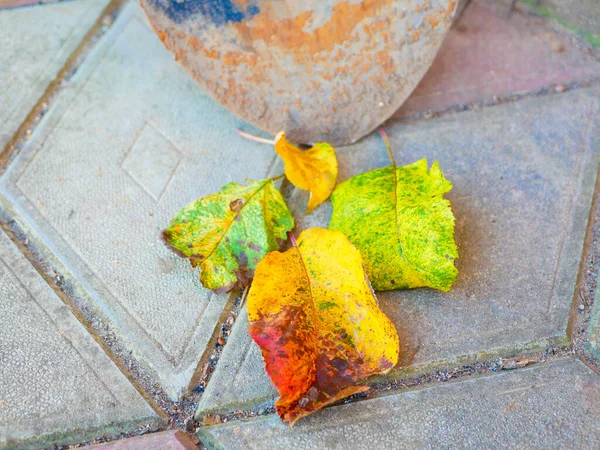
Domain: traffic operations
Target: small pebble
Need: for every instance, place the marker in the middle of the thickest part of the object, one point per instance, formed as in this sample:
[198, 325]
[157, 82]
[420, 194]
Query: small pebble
[581, 307]
[560, 88]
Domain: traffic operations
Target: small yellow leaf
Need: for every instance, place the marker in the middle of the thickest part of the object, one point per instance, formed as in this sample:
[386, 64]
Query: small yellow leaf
[315, 317]
[314, 170]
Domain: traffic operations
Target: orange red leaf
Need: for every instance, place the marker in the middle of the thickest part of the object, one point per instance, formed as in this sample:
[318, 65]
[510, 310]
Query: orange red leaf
[315, 317]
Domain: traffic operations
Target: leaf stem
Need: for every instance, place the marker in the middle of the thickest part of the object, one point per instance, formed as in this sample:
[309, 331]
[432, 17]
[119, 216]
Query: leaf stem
[254, 138]
[244, 296]
[278, 177]
[388, 146]
[292, 239]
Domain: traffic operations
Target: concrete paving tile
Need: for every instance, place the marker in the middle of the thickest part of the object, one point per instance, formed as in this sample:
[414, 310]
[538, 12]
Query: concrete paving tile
[35, 43]
[167, 440]
[594, 327]
[523, 176]
[553, 405]
[240, 378]
[486, 54]
[581, 16]
[57, 385]
[131, 141]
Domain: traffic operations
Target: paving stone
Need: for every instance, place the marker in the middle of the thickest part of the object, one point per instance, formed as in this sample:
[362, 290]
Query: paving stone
[581, 16]
[35, 43]
[594, 327]
[131, 141]
[167, 440]
[57, 383]
[523, 176]
[486, 54]
[240, 377]
[554, 405]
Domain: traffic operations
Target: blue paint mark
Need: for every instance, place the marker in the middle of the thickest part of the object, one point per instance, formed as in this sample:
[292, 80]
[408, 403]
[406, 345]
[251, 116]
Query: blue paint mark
[252, 10]
[218, 12]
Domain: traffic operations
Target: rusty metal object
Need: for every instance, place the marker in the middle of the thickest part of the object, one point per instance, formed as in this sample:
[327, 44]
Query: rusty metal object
[322, 70]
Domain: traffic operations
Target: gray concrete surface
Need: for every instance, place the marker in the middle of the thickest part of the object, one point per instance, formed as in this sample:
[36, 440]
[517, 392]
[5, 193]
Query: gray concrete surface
[35, 43]
[240, 377]
[594, 327]
[56, 383]
[523, 176]
[581, 16]
[131, 141]
[553, 405]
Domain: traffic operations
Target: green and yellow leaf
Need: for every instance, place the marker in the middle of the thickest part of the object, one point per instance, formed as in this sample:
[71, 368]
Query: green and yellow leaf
[314, 170]
[315, 317]
[229, 232]
[402, 225]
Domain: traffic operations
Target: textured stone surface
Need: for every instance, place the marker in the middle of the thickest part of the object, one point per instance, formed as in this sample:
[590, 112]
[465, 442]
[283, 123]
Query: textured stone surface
[240, 377]
[35, 43]
[131, 141]
[56, 382]
[554, 405]
[594, 327]
[167, 440]
[320, 70]
[581, 16]
[523, 178]
[486, 54]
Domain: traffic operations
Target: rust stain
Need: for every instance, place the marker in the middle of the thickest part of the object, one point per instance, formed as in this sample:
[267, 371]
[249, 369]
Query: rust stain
[450, 8]
[254, 78]
[162, 35]
[194, 43]
[416, 35]
[439, 15]
[211, 53]
[289, 35]
[179, 54]
[385, 61]
[423, 7]
[316, 86]
[235, 58]
[433, 19]
[375, 27]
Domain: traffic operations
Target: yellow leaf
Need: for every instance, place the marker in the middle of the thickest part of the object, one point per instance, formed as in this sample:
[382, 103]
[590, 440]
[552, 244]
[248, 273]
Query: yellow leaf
[314, 170]
[315, 317]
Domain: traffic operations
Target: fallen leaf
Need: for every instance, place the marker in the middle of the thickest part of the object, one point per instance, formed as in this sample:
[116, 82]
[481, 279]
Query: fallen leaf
[315, 317]
[402, 225]
[229, 232]
[515, 363]
[314, 170]
[211, 419]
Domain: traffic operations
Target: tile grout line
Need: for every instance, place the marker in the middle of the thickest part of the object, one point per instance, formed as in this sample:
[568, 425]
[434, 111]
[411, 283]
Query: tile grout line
[574, 317]
[12, 147]
[435, 377]
[11, 227]
[549, 90]
[32, 259]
